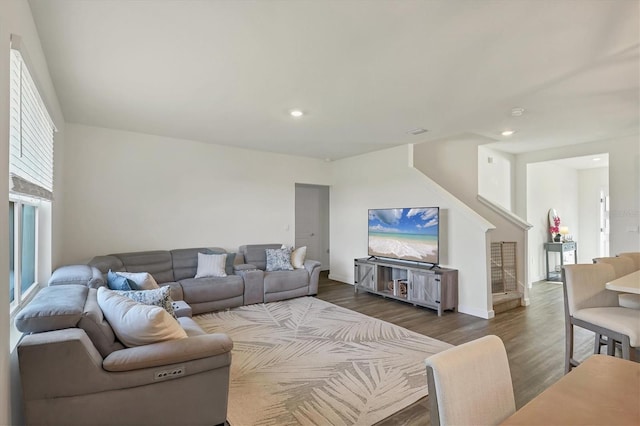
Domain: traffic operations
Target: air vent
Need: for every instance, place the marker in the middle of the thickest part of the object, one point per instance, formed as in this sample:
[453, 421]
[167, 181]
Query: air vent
[417, 131]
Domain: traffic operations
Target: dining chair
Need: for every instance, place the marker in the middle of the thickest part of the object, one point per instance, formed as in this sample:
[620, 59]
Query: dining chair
[589, 305]
[470, 384]
[634, 255]
[622, 265]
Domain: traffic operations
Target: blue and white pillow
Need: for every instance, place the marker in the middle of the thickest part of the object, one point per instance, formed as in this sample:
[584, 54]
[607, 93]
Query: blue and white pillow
[279, 260]
[158, 297]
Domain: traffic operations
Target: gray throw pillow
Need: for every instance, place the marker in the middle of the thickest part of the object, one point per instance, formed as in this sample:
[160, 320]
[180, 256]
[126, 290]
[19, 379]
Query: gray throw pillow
[279, 260]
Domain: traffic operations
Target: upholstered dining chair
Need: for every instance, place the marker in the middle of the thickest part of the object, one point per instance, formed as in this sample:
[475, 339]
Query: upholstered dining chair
[622, 265]
[470, 384]
[634, 255]
[588, 304]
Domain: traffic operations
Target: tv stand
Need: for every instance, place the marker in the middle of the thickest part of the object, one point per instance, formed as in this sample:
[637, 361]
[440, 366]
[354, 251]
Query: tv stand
[424, 285]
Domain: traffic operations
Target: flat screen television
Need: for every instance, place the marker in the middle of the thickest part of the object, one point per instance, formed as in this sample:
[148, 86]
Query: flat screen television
[405, 234]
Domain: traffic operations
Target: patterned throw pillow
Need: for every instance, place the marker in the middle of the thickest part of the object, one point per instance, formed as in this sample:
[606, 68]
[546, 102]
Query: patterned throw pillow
[158, 297]
[279, 260]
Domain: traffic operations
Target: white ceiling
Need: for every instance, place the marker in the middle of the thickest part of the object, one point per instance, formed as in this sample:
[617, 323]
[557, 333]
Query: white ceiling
[584, 162]
[365, 72]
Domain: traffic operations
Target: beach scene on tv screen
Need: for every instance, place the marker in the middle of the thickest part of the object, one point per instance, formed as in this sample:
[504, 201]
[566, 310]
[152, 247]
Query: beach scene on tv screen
[408, 234]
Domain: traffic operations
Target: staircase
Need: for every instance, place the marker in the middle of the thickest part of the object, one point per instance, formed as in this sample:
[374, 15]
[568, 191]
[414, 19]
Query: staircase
[504, 282]
[503, 302]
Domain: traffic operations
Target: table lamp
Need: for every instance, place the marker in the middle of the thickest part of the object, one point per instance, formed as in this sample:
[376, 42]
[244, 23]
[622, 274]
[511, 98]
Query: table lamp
[564, 231]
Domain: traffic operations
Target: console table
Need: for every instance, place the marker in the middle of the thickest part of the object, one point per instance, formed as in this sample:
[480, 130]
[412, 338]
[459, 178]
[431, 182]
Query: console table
[418, 284]
[559, 248]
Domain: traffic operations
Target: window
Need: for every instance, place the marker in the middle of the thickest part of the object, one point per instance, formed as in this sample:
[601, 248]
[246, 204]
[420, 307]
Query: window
[30, 174]
[22, 249]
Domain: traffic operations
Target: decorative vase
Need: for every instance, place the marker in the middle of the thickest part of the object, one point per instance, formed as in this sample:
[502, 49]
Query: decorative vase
[557, 238]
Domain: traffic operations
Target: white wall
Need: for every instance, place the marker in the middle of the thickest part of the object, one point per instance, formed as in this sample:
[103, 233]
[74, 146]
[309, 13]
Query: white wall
[624, 185]
[384, 179]
[16, 18]
[550, 186]
[453, 163]
[495, 174]
[590, 183]
[128, 191]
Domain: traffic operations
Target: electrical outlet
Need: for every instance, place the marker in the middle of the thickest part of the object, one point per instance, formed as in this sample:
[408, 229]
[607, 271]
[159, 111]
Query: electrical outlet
[169, 374]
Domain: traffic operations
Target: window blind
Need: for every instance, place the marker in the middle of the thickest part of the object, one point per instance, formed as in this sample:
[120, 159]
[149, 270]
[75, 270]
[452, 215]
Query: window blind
[30, 134]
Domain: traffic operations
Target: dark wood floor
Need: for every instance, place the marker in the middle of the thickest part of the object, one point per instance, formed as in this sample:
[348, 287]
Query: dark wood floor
[533, 336]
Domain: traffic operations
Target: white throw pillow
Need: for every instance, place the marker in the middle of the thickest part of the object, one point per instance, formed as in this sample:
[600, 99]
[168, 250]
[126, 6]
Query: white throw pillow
[142, 280]
[298, 256]
[136, 324]
[211, 265]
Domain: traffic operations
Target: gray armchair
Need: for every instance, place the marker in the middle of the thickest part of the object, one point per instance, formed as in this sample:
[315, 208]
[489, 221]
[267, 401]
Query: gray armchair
[75, 372]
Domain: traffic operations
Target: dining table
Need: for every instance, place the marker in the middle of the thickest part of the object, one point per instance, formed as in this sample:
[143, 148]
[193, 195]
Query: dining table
[629, 283]
[602, 390]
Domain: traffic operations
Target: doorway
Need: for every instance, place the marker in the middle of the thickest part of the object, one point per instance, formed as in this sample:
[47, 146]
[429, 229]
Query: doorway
[576, 188]
[312, 221]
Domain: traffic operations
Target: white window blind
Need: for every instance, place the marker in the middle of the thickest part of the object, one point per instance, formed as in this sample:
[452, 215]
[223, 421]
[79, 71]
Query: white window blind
[30, 134]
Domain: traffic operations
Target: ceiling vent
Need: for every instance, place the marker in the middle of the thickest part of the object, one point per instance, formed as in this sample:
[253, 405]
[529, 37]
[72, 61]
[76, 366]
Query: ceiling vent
[417, 131]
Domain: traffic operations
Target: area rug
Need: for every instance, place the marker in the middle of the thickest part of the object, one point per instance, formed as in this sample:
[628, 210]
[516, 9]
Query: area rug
[308, 362]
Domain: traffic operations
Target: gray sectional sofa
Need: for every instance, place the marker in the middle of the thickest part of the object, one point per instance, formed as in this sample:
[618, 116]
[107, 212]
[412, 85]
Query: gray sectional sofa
[246, 282]
[74, 371]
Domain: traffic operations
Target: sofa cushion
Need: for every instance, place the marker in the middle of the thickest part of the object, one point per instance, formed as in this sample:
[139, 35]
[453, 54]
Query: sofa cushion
[211, 265]
[118, 282]
[255, 254]
[157, 297]
[279, 259]
[136, 324]
[190, 327]
[285, 280]
[104, 263]
[185, 261]
[228, 267]
[141, 280]
[97, 327]
[198, 290]
[77, 274]
[158, 263]
[53, 308]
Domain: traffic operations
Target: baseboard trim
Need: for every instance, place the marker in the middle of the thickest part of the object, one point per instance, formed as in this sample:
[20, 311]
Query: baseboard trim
[476, 312]
[340, 278]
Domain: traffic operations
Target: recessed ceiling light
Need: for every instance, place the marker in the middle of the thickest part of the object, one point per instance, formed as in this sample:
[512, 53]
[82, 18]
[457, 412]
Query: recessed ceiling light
[296, 113]
[517, 112]
[417, 131]
[597, 159]
[507, 132]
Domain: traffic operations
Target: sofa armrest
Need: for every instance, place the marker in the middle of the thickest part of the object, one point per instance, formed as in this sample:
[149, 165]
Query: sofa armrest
[311, 265]
[313, 268]
[243, 267]
[253, 285]
[85, 275]
[168, 352]
[65, 363]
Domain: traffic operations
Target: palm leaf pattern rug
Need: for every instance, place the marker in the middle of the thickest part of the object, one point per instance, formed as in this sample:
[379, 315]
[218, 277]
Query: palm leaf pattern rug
[308, 362]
